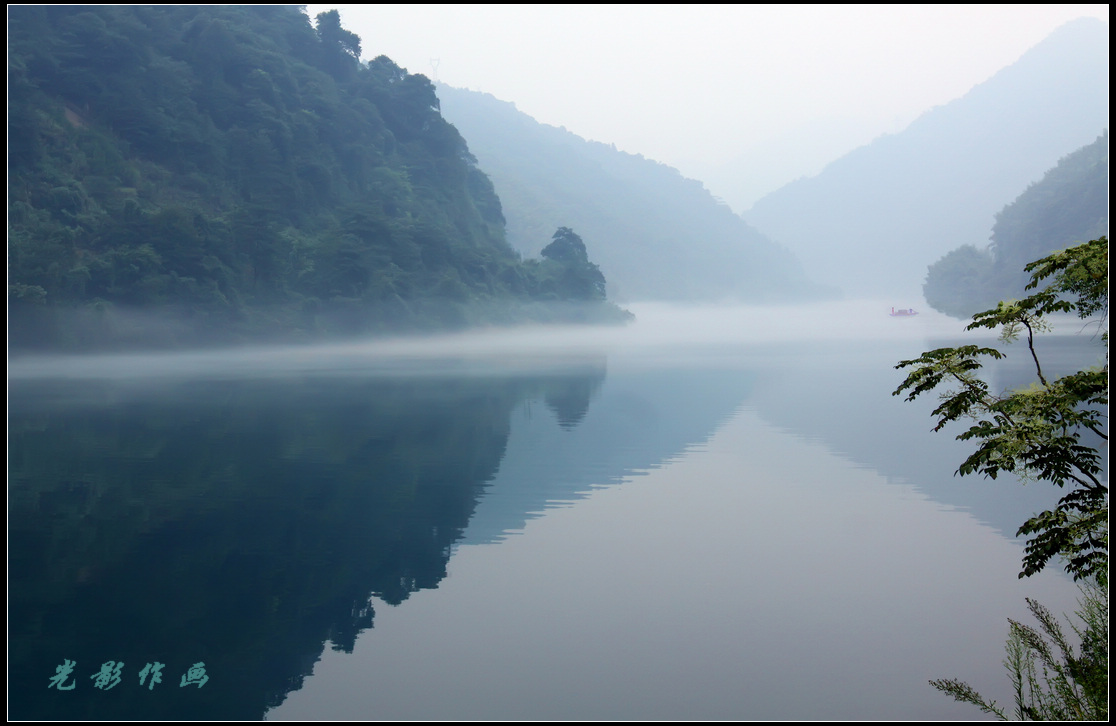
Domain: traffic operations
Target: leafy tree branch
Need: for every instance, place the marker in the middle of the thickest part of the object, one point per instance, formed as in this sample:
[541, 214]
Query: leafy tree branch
[1036, 432]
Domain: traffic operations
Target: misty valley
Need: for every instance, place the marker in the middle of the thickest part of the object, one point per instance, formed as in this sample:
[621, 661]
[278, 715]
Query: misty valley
[337, 392]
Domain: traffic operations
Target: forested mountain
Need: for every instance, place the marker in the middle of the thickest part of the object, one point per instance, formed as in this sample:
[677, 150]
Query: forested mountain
[655, 234]
[1068, 206]
[873, 220]
[240, 168]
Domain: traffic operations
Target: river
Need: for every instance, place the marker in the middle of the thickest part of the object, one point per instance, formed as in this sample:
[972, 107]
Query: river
[711, 514]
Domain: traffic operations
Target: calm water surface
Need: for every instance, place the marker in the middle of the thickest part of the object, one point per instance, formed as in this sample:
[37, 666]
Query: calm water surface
[678, 524]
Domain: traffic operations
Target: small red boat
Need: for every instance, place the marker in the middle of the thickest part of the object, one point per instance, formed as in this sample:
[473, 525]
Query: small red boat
[904, 313]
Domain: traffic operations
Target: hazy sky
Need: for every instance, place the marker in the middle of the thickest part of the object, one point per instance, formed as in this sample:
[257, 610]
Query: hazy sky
[785, 87]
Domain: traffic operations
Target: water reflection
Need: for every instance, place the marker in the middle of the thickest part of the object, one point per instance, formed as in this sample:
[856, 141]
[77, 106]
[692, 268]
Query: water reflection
[203, 516]
[755, 576]
[839, 395]
[236, 523]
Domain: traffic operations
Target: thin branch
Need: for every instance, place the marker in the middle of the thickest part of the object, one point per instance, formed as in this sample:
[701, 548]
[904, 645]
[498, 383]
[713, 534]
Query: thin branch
[1031, 345]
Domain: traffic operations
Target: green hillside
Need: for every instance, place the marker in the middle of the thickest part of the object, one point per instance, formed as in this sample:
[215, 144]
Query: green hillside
[186, 174]
[655, 234]
[1068, 206]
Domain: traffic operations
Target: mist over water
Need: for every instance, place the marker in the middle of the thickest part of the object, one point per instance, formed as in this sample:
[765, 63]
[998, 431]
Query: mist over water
[462, 525]
[659, 329]
[238, 446]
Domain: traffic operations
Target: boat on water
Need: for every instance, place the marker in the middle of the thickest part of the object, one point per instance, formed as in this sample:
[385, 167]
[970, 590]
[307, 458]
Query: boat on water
[904, 313]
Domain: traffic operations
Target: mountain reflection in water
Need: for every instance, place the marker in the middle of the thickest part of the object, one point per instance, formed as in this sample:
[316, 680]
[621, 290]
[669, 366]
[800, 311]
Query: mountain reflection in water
[267, 526]
[237, 523]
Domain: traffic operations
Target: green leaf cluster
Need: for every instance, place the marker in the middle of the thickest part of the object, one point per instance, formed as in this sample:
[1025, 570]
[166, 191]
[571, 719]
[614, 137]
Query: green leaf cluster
[1036, 432]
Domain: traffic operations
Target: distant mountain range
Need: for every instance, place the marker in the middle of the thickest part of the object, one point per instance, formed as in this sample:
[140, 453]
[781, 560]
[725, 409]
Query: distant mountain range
[238, 172]
[872, 221]
[655, 234]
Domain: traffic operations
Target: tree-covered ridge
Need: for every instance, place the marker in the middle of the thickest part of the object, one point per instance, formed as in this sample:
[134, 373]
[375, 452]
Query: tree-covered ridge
[655, 234]
[1068, 205]
[567, 271]
[241, 166]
